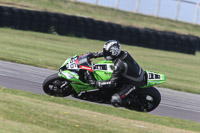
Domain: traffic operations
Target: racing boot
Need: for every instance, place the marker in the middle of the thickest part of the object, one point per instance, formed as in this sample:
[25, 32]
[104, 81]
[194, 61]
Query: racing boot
[116, 100]
[120, 98]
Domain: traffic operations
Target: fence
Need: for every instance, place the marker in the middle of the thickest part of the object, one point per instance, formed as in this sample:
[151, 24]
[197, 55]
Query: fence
[87, 27]
[137, 5]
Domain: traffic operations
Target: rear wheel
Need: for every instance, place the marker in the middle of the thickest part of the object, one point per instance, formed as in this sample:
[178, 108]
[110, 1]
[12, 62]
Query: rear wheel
[145, 99]
[55, 85]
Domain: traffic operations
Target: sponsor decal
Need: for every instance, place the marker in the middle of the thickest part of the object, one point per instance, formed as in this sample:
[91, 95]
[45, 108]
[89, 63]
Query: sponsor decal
[86, 68]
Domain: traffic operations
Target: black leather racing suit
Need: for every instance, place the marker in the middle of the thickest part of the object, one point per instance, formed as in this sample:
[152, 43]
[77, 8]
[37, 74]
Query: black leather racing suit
[127, 71]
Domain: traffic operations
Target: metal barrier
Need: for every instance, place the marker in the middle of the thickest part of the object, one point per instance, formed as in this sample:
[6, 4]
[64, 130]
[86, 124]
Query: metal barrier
[137, 4]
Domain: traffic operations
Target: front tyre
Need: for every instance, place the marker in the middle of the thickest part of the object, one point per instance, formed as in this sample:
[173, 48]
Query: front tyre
[146, 99]
[55, 85]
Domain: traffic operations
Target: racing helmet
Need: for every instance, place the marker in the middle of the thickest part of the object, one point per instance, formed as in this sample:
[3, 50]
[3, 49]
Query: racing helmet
[111, 49]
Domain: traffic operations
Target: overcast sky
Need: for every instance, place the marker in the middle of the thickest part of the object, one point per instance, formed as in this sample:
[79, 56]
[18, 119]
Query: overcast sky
[168, 8]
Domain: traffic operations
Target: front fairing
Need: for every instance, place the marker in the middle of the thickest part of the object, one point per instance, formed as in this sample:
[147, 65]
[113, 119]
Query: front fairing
[70, 63]
[69, 70]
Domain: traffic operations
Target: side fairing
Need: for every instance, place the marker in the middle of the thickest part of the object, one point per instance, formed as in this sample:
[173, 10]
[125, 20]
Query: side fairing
[77, 84]
[103, 70]
[69, 75]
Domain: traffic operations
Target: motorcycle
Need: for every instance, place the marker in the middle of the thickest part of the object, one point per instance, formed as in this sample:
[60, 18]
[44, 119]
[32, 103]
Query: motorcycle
[72, 80]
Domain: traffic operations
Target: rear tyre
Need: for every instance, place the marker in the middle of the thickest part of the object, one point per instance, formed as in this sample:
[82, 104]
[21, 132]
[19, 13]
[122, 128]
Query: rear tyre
[55, 85]
[145, 99]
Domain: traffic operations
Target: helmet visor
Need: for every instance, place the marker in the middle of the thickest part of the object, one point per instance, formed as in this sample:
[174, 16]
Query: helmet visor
[107, 55]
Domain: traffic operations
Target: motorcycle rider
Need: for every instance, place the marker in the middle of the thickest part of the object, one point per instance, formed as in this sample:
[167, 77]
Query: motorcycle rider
[126, 70]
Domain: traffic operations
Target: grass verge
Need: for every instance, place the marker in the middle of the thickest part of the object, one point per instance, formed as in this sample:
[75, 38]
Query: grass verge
[28, 112]
[105, 14]
[50, 51]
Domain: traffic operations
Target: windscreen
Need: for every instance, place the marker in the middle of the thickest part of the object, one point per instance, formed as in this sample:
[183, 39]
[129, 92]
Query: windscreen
[83, 60]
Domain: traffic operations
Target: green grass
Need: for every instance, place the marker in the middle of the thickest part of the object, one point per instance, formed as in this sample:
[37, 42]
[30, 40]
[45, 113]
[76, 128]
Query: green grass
[50, 51]
[105, 14]
[28, 112]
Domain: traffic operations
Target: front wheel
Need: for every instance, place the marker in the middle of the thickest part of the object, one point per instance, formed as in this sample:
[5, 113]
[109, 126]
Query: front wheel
[55, 85]
[145, 99]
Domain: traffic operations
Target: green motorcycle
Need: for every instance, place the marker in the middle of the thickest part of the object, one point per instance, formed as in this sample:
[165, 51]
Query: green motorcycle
[72, 80]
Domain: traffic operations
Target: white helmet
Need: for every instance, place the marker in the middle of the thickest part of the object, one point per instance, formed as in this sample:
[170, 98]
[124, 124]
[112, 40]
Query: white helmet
[111, 49]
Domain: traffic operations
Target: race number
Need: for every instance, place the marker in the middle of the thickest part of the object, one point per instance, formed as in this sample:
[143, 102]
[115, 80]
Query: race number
[72, 64]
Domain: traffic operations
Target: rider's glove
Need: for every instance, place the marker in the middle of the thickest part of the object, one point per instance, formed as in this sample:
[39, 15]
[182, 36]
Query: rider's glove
[94, 55]
[90, 55]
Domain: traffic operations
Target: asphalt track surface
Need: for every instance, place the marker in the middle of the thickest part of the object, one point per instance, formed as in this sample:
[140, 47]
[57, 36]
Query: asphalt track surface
[175, 104]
